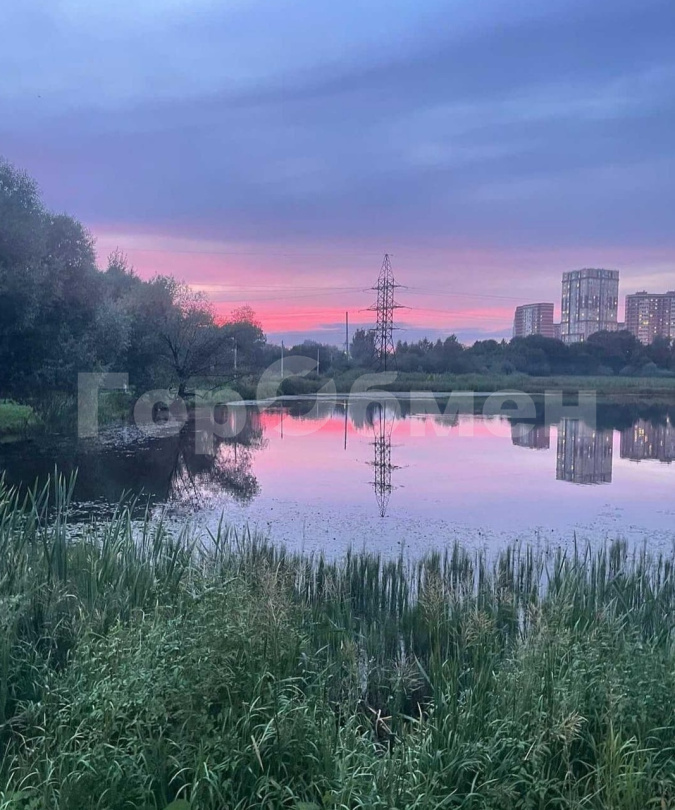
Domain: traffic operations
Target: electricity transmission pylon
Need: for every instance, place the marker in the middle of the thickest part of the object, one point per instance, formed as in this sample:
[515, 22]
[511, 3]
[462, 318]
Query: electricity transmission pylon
[384, 307]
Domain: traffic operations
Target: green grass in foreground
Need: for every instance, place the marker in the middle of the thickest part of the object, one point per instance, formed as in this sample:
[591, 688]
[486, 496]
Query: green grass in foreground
[16, 419]
[136, 671]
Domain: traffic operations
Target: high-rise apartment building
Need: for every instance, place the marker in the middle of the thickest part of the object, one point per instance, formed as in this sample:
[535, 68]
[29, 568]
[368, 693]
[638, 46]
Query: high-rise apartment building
[651, 315]
[590, 303]
[533, 319]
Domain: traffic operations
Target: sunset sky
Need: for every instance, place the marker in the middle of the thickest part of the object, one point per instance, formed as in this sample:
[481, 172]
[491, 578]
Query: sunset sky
[271, 152]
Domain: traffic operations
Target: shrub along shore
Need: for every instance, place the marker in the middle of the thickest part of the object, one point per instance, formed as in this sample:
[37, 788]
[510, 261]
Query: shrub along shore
[144, 667]
[16, 419]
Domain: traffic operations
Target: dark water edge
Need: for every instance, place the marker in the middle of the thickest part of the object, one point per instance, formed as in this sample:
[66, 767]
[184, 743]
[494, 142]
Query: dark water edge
[326, 468]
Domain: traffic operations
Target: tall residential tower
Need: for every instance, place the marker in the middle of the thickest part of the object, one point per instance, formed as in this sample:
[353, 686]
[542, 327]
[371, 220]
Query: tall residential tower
[590, 302]
[533, 319]
[651, 315]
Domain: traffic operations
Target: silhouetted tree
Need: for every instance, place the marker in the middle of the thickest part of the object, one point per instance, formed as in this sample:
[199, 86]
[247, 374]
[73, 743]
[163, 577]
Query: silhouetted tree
[362, 347]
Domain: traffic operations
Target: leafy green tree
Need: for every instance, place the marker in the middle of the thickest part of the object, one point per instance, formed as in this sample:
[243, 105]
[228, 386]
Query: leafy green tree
[660, 352]
[119, 278]
[616, 349]
[243, 334]
[189, 339]
[49, 291]
[70, 298]
[362, 348]
[329, 357]
[59, 315]
[23, 223]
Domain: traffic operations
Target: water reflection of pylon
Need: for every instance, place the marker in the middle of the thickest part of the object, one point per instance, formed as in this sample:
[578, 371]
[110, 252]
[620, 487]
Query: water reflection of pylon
[383, 424]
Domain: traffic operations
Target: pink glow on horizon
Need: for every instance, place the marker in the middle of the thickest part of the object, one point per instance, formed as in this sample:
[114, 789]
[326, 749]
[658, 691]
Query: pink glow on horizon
[308, 288]
[314, 318]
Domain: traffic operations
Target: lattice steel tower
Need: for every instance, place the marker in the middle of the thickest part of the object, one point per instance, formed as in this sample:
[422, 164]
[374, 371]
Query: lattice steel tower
[385, 306]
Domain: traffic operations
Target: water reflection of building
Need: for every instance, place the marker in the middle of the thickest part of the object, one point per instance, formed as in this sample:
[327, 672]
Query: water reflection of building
[584, 453]
[533, 437]
[648, 440]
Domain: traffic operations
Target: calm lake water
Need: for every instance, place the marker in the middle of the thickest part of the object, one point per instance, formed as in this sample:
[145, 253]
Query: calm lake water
[327, 474]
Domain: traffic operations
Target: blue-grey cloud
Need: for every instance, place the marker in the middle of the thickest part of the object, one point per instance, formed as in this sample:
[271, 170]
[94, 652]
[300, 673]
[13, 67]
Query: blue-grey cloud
[520, 124]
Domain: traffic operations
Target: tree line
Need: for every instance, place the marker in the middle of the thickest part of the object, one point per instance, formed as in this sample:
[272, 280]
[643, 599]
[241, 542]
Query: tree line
[603, 354]
[60, 314]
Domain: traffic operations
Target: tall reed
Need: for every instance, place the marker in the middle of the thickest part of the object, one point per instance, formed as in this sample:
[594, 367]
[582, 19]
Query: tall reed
[143, 664]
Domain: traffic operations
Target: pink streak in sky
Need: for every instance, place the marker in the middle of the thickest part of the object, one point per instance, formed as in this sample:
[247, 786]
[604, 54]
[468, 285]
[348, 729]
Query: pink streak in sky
[308, 288]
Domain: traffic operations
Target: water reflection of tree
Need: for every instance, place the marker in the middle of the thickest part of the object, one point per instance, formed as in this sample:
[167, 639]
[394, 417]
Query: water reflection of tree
[205, 467]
